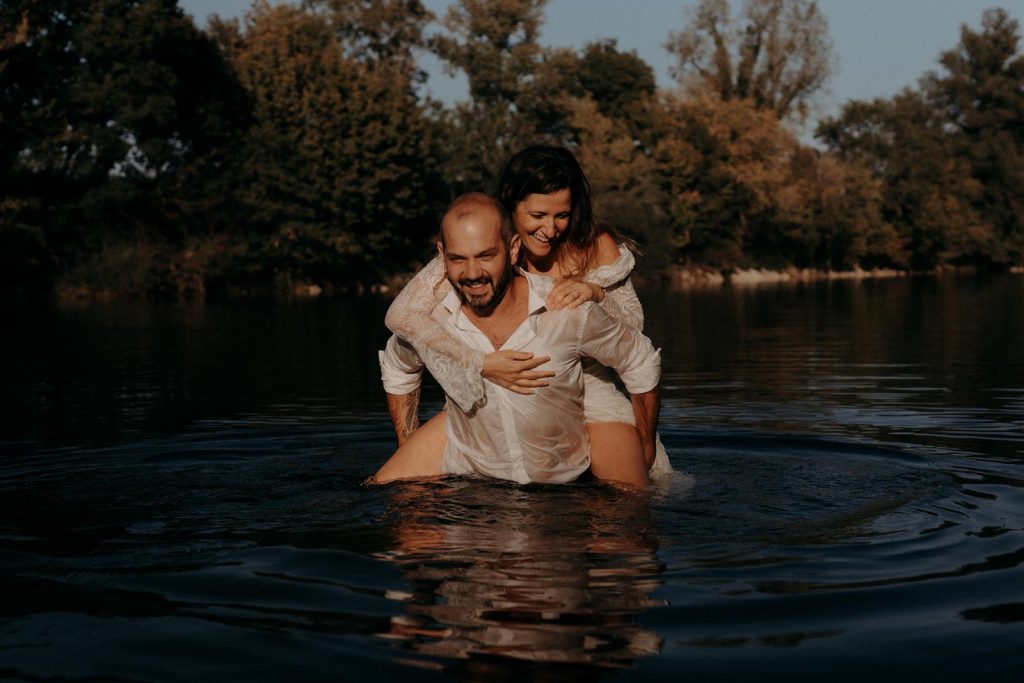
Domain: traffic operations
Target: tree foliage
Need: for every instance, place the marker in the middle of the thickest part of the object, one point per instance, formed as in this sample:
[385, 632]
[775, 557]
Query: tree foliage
[338, 159]
[295, 146]
[513, 83]
[621, 85]
[379, 32]
[778, 54]
[112, 112]
[494, 42]
[623, 180]
[981, 93]
[949, 154]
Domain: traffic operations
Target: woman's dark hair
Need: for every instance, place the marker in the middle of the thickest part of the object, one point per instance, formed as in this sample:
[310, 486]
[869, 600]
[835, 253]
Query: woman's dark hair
[543, 169]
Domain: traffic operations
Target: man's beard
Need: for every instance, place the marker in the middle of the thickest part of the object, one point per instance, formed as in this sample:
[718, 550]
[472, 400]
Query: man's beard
[483, 304]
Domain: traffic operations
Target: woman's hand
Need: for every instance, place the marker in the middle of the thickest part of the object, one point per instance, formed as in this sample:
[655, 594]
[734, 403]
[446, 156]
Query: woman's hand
[570, 293]
[514, 370]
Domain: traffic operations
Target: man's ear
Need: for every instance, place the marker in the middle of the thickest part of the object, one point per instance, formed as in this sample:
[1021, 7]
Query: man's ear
[440, 249]
[514, 245]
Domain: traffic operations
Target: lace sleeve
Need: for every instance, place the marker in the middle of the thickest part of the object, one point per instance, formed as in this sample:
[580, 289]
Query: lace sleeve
[454, 365]
[620, 300]
[622, 303]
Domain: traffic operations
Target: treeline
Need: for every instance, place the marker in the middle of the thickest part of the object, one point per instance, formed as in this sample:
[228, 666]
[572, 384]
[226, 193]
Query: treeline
[296, 147]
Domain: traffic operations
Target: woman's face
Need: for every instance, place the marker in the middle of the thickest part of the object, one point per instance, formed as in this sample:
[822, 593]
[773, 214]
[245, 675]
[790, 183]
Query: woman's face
[541, 220]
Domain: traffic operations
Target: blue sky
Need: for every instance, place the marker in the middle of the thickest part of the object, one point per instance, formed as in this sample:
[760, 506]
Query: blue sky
[881, 45]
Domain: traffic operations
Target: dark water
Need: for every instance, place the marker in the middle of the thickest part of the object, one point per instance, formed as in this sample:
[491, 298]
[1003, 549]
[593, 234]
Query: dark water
[182, 501]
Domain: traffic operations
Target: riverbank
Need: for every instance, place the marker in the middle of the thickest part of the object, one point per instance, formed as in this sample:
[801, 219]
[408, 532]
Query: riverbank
[673, 278]
[686, 278]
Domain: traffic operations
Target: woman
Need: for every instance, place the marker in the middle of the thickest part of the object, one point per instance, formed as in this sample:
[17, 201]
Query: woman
[544, 190]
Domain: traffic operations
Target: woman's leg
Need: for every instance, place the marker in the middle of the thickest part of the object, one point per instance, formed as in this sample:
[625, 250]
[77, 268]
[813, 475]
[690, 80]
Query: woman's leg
[420, 456]
[616, 454]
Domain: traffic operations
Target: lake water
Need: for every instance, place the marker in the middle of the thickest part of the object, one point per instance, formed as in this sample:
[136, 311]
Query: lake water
[182, 501]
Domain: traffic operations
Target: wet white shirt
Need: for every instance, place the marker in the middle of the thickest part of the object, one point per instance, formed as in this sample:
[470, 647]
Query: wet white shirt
[538, 438]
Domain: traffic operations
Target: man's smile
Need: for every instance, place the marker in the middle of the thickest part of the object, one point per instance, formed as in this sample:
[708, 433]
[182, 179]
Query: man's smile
[475, 285]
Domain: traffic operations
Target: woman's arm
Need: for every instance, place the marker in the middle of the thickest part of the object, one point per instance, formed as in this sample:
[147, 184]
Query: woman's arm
[622, 303]
[455, 366]
[607, 283]
[458, 368]
[615, 263]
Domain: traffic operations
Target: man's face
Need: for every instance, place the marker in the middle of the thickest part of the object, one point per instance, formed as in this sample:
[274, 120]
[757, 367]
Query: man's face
[478, 264]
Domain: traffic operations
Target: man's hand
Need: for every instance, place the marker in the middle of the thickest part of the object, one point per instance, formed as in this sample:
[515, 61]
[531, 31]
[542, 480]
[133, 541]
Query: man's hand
[570, 293]
[645, 409]
[514, 370]
[404, 409]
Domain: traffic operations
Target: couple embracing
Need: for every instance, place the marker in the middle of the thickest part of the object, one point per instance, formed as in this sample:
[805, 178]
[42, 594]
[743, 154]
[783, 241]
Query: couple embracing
[522, 319]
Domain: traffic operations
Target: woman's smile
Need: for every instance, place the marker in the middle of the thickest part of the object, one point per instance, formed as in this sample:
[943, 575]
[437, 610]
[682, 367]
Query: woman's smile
[541, 219]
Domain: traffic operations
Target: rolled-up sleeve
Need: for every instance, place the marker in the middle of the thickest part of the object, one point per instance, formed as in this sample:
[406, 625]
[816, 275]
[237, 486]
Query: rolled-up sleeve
[401, 369]
[622, 348]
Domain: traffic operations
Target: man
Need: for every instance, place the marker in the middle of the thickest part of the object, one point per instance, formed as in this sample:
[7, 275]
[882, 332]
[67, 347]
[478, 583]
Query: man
[493, 305]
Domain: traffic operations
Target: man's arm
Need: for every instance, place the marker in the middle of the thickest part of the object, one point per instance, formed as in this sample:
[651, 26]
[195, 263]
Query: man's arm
[618, 346]
[404, 409]
[638, 363]
[645, 411]
[401, 371]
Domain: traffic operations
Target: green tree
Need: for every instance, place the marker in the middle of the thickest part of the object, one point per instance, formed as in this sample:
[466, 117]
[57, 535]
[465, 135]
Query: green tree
[514, 86]
[951, 153]
[829, 213]
[379, 32]
[778, 55]
[623, 180]
[981, 93]
[341, 181]
[621, 84]
[494, 42]
[119, 124]
[743, 164]
[928, 190]
[710, 211]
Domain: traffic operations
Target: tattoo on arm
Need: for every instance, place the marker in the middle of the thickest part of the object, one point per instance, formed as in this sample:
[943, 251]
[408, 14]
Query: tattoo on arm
[404, 410]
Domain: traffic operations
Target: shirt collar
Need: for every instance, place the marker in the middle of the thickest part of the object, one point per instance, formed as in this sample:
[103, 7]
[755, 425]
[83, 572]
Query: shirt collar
[540, 285]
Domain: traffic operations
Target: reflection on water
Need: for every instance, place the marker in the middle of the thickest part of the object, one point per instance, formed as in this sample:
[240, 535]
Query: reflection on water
[123, 370]
[183, 502]
[922, 361]
[497, 570]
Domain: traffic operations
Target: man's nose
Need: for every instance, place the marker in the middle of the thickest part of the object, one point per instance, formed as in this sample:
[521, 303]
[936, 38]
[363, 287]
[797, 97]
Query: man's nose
[473, 270]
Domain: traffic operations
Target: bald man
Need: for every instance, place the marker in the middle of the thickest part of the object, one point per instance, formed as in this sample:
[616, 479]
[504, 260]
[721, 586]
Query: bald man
[493, 305]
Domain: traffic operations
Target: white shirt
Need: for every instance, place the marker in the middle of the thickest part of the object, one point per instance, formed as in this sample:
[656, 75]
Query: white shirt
[538, 438]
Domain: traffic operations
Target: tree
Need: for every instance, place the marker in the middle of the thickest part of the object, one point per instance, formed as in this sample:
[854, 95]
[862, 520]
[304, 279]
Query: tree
[379, 32]
[740, 191]
[118, 125]
[981, 93]
[950, 154]
[778, 56]
[494, 42]
[928, 190]
[621, 84]
[720, 163]
[830, 214]
[513, 85]
[623, 181]
[341, 181]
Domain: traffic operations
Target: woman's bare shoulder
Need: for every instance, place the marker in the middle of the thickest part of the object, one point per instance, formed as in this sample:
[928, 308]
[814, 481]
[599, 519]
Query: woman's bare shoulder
[607, 251]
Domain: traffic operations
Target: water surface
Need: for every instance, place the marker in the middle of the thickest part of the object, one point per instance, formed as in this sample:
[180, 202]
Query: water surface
[183, 501]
